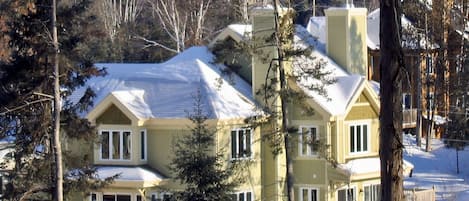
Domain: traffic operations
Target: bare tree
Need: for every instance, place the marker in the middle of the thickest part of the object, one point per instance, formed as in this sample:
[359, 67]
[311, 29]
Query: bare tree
[116, 12]
[183, 21]
[392, 66]
[57, 108]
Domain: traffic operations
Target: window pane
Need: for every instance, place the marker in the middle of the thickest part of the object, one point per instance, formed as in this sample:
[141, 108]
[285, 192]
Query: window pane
[367, 193]
[365, 138]
[304, 193]
[233, 145]
[241, 143]
[143, 145]
[234, 197]
[126, 145]
[123, 197]
[241, 197]
[304, 141]
[248, 142]
[93, 197]
[351, 194]
[352, 138]
[314, 140]
[314, 195]
[115, 145]
[105, 145]
[341, 195]
[359, 139]
[139, 198]
[248, 196]
[109, 198]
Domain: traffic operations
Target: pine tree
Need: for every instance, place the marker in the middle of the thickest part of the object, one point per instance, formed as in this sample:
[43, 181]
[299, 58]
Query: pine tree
[27, 96]
[198, 165]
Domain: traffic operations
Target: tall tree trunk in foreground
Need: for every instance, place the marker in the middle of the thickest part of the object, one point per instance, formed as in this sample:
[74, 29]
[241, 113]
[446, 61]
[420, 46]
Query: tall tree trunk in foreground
[284, 110]
[391, 101]
[57, 108]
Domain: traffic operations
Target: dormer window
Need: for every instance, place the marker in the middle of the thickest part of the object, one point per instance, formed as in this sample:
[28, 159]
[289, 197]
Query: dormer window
[359, 138]
[115, 145]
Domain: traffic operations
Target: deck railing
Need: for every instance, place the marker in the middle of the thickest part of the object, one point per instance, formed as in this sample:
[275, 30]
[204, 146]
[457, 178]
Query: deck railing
[416, 194]
[409, 118]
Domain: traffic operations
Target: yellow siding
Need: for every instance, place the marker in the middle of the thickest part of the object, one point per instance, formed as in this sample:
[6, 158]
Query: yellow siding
[336, 39]
[113, 115]
[358, 49]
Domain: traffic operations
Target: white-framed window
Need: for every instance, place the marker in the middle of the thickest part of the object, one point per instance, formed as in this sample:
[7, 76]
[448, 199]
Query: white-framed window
[431, 100]
[242, 196]
[308, 140]
[309, 194]
[372, 192]
[115, 145]
[93, 197]
[161, 196]
[241, 143]
[116, 197]
[359, 138]
[138, 198]
[406, 101]
[430, 65]
[347, 194]
[143, 145]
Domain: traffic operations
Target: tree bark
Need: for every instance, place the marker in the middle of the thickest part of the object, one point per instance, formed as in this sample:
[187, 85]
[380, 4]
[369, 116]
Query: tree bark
[57, 108]
[391, 101]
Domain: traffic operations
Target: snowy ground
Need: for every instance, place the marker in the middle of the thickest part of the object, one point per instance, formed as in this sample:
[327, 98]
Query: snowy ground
[438, 169]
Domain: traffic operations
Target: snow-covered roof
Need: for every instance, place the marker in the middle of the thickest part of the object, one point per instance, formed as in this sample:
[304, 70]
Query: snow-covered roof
[369, 165]
[242, 30]
[128, 173]
[167, 90]
[373, 21]
[317, 28]
[340, 93]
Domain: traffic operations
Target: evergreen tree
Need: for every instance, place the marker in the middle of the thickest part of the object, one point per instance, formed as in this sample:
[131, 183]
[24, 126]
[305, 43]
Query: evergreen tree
[26, 91]
[198, 165]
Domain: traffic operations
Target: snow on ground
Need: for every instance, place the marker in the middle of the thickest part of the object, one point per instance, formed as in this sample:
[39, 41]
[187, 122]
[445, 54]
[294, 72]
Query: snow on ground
[438, 169]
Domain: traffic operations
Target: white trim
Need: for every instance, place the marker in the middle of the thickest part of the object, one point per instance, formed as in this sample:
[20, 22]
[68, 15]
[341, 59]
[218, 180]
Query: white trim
[368, 136]
[309, 152]
[300, 193]
[121, 144]
[370, 185]
[244, 193]
[237, 157]
[115, 194]
[347, 188]
[90, 196]
[145, 144]
[159, 195]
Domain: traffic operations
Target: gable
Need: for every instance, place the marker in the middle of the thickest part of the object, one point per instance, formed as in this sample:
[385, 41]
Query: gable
[362, 109]
[113, 115]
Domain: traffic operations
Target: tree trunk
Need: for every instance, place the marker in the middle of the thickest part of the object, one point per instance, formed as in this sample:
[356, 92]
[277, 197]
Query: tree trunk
[57, 108]
[283, 101]
[391, 101]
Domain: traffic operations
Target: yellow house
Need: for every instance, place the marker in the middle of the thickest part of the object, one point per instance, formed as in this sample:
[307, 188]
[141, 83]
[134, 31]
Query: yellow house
[141, 108]
[344, 162]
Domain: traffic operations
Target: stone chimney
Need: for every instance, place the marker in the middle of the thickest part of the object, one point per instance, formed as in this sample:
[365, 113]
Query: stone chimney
[346, 38]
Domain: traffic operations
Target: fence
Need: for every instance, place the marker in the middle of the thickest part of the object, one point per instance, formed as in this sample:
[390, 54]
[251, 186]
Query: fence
[419, 194]
[409, 118]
